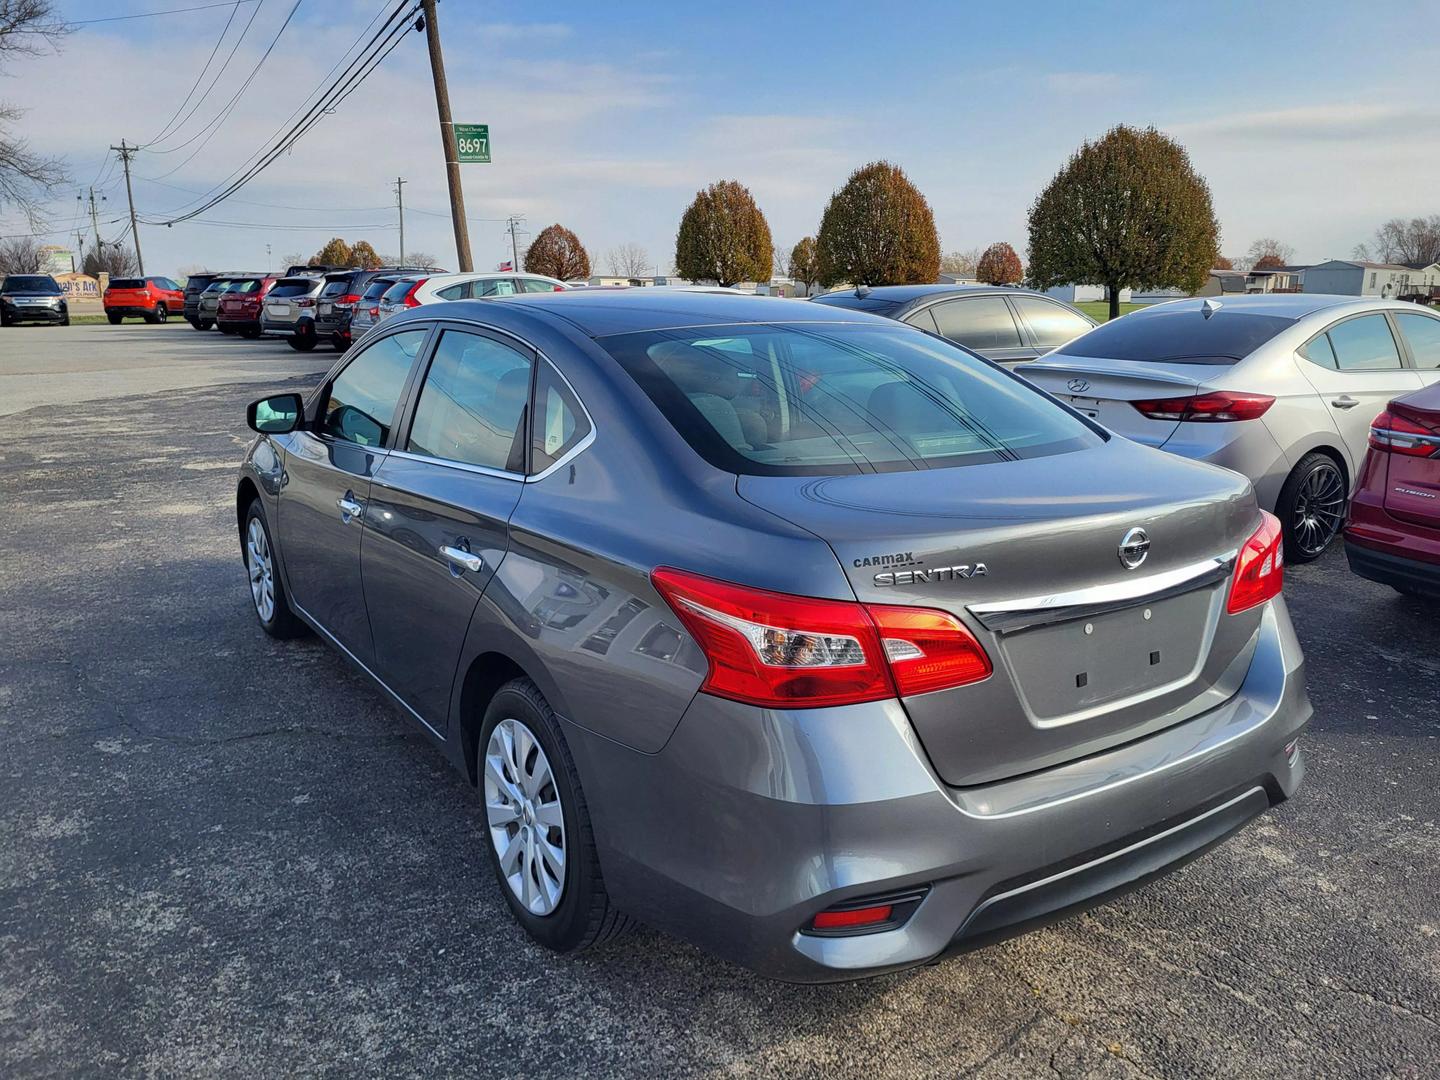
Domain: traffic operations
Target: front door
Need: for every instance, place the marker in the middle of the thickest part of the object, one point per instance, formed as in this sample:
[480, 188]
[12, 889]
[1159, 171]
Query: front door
[1356, 367]
[437, 524]
[328, 472]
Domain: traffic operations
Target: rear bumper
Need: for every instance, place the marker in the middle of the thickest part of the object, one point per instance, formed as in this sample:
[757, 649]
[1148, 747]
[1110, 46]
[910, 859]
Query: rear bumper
[239, 322]
[337, 322]
[298, 328]
[770, 817]
[128, 311]
[1390, 568]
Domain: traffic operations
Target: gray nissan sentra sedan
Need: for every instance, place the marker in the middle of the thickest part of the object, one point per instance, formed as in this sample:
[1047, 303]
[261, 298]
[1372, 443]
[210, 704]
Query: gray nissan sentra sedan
[794, 631]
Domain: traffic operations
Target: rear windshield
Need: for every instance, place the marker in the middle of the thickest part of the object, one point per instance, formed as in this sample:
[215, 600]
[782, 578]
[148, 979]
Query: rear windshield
[42, 284]
[127, 283]
[336, 286]
[818, 400]
[397, 291]
[1182, 336]
[293, 287]
[249, 285]
[376, 288]
[198, 282]
[858, 303]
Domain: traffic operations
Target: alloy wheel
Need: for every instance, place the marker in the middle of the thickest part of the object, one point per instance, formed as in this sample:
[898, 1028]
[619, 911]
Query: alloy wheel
[524, 816]
[262, 570]
[1319, 509]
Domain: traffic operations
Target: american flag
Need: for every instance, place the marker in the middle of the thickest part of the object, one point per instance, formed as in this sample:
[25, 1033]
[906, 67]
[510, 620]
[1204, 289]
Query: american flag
[507, 265]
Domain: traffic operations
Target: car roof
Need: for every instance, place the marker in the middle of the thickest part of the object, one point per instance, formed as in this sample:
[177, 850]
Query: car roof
[1281, 305]
[600, 313]
[903, 294]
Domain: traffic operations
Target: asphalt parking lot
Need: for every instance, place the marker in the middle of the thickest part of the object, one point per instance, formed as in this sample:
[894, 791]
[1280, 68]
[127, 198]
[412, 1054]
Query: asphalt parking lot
[223, 855]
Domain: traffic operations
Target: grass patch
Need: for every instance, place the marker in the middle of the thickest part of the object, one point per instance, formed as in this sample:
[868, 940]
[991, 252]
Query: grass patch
[1099, 310]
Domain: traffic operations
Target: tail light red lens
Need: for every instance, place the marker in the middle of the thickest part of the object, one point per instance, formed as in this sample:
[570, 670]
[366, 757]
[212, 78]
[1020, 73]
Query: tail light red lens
[350, 299]
[845, 920]
[1391, 433]
[374, 312]
[772, 649]
[305, 301]
[1259, 568]
[1219, 407]
[410, 300]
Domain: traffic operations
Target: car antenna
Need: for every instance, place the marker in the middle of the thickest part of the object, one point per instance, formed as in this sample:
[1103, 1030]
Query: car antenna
[862, 291]
[1209, 307]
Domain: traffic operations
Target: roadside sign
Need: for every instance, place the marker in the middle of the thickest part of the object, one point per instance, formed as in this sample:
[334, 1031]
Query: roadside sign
[473, 143]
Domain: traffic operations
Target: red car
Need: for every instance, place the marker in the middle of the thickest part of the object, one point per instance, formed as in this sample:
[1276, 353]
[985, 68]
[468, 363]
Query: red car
[241, 305]
[148, 298]
[1393, 535]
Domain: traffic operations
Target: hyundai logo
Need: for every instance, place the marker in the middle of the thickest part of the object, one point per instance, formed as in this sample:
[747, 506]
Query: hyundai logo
[1134, 547]
[1078, 386]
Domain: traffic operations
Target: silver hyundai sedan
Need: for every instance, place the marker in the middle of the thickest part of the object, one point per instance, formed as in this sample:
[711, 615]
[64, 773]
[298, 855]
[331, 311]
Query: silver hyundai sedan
[791, 630]
[1281, 388]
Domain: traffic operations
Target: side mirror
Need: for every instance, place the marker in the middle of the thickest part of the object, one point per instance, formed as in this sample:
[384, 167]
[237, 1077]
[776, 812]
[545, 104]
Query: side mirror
[275, 415]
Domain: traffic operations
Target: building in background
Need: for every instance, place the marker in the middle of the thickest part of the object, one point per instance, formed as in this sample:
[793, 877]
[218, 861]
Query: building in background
[1389, 281]
[1086, 294]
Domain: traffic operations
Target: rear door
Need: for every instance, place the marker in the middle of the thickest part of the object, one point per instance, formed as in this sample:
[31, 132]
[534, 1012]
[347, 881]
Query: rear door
[983, 324]
[437, 523]
[1356, 367]
[328, 469]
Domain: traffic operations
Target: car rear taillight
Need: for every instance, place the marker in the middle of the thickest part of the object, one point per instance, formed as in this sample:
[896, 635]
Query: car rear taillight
[1259, 568]
[773, 649]
[410, 300]
[1217, 407]
[350, 299]
[1391, 433]
[305, 301]
[374, 312]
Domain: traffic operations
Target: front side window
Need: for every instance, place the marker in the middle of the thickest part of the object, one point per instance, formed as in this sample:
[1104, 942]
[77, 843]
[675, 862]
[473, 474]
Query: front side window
[560, 422]
[977, 324]
[822, 399]
[472, 407]
[1364, 344]
[1423, 335]
[1051, 324]
[362, 400]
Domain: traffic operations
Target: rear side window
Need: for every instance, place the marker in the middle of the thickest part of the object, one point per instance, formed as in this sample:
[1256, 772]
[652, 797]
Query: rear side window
[982, 323]
[1051, 324]
[817, 400]
[361, 404]
[453, 292]
[472, 407]
[1183, 336]
[1364, 344]
[560, 422]
[492, 287]
[1319, 352]
[1422, 333]
[292, 287]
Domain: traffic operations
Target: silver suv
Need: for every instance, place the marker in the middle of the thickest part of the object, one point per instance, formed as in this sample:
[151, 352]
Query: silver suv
[791, 630]
[289, 311]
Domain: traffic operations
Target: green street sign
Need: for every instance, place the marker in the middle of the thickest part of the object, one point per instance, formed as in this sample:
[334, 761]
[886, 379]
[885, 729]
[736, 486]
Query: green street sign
[473, 143]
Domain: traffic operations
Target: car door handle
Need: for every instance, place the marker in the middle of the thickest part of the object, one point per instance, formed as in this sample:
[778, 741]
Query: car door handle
[460, 557]
[1344, 401]
[349, 508]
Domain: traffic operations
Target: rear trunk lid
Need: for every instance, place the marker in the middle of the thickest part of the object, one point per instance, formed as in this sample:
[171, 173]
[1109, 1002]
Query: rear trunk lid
[1088, 654]
[1412, 487]
[1103, 389]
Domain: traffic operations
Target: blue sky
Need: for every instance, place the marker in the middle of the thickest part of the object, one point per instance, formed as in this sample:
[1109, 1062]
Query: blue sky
[1312, 122]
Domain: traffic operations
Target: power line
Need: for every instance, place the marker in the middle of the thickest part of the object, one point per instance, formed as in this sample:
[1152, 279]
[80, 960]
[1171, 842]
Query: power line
[355, 75]
[276, 206]
[388, 225]
[152, 14]
[234, 8]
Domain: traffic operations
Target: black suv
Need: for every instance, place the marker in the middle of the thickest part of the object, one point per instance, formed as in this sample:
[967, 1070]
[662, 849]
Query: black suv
[342, 291]
[196, 284]
[33, 298]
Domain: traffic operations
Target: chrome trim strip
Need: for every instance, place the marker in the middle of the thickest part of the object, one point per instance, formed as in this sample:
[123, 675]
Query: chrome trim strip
[1007, 616]
[315, 624]
[463, 466]
[1085, 867]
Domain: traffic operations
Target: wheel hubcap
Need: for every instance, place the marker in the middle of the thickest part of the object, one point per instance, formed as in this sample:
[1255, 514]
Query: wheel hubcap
[262, 572]
[1319, 509]
[525, 820]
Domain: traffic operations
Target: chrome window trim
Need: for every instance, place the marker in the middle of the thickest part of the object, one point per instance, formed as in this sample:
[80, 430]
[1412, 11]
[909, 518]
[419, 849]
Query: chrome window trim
[1009, 616]
[462, 466]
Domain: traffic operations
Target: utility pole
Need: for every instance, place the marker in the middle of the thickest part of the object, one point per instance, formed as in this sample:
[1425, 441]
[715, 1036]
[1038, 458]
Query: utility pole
[80, 243]
[267, 256]
[95, 220]
[125, 152]
[400, 204]
[447, 138]
[514, 254]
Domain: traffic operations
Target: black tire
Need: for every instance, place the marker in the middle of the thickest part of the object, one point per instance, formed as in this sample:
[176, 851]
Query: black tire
[5, 320]
[250, 332]
[302, 344]
[225, 329]
[282, 623]
[584, 916]
[65, 320]
[114, 319]
[1311, 507]
[161, 313]
[204, 324]
[340, 343]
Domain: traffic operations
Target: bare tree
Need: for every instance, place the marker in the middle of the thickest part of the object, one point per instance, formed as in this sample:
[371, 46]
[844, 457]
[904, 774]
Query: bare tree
[1273, 253]
[780, 263]
[27, 28]
[628, 261]
[1400, 241]
[962, 263]
[20, 255]
[112, 259]
[412, 258]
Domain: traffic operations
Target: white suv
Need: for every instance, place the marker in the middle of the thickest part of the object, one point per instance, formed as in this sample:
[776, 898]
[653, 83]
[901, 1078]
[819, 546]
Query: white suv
[417, 289]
